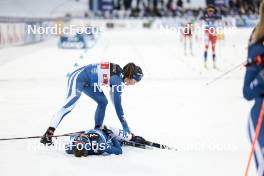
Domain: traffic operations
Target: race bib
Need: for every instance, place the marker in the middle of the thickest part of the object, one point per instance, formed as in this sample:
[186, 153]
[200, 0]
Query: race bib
[103, 73]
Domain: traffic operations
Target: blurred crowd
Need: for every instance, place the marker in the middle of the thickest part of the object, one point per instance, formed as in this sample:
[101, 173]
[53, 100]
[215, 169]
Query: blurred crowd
[171, 8]
[241, 7]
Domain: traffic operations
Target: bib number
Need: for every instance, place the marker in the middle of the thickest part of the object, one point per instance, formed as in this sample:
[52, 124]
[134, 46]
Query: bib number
[104, 73]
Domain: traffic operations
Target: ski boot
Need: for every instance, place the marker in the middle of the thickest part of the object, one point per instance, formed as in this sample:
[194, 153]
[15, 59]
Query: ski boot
[47, 137]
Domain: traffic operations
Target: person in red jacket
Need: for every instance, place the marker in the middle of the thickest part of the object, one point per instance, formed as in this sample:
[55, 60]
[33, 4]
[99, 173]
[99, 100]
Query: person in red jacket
[210, 27]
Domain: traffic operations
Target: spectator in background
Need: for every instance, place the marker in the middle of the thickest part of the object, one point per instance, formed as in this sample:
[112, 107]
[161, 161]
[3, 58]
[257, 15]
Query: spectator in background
[127, 7]
[159, 8]
[117, 9]
[180, 3]
[136, 9]
[165, 8]
[170, 7]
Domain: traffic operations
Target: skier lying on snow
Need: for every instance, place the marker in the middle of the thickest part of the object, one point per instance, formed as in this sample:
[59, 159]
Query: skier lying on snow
[106, 140]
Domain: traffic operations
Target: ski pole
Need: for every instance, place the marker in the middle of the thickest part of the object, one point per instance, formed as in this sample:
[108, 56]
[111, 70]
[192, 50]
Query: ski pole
[224, 74]
[257, 130]
[35, 137]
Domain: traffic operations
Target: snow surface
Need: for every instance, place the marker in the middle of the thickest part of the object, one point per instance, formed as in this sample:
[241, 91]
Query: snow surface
[172, 105]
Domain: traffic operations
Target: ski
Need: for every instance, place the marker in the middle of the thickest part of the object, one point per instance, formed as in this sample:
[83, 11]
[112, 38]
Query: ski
[133, 144]
[161, 146]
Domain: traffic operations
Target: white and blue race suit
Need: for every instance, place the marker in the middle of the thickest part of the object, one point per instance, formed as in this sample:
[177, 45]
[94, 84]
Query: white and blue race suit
[88, 80]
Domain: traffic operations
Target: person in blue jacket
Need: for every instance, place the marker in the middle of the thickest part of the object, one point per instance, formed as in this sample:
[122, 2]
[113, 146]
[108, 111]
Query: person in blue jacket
[100, 141]
[254, 88]
[88, 80]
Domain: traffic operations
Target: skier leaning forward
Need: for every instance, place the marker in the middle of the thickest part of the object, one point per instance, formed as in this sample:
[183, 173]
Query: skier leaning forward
[88, 80]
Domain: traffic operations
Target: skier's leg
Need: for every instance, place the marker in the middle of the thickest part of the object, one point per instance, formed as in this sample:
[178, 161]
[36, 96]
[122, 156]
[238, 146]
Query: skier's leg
[213, 49]
[185, 43]
[191, 47]
[206, 49]
[205, 55]
[67, 108]
[101, 101]
[74, 92]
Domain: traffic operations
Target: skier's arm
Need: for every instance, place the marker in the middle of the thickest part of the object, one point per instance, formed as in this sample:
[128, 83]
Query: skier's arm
[119, 134]
[253, 83]
[114, 147]
[115, 93]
